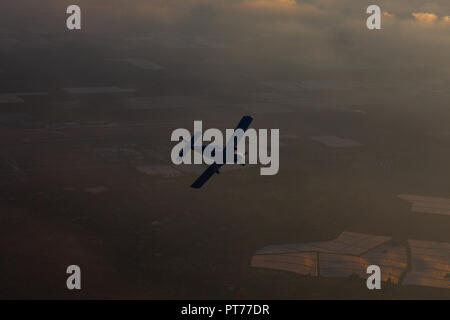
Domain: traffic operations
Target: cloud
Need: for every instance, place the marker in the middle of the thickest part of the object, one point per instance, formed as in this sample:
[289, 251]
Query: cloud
[288, 6]
[285, 4]
[425, 18]
[295, 32]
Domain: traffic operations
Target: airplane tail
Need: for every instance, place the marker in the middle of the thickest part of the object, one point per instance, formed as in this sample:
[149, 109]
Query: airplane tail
[189, 145]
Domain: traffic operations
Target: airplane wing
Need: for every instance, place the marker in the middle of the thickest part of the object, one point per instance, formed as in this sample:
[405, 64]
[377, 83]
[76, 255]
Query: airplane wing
[244, 123]
[208, 173]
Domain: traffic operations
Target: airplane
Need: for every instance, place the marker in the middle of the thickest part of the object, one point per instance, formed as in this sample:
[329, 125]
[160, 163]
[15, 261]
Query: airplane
[214, 168]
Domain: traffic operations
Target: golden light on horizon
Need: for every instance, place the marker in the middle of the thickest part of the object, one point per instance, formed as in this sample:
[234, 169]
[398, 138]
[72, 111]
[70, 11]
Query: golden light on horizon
[425, 17]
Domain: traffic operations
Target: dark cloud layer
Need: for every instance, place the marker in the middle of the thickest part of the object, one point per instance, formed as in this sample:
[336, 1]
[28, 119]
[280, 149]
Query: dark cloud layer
[300, 31]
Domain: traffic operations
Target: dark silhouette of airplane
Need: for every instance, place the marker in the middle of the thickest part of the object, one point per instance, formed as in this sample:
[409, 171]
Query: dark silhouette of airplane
[214, 168]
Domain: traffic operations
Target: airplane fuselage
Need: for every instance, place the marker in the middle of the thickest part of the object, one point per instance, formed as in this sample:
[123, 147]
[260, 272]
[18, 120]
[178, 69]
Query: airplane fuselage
[220, 153]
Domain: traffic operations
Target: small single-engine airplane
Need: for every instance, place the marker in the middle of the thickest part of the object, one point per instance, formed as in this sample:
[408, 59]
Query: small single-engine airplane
[214, 168]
